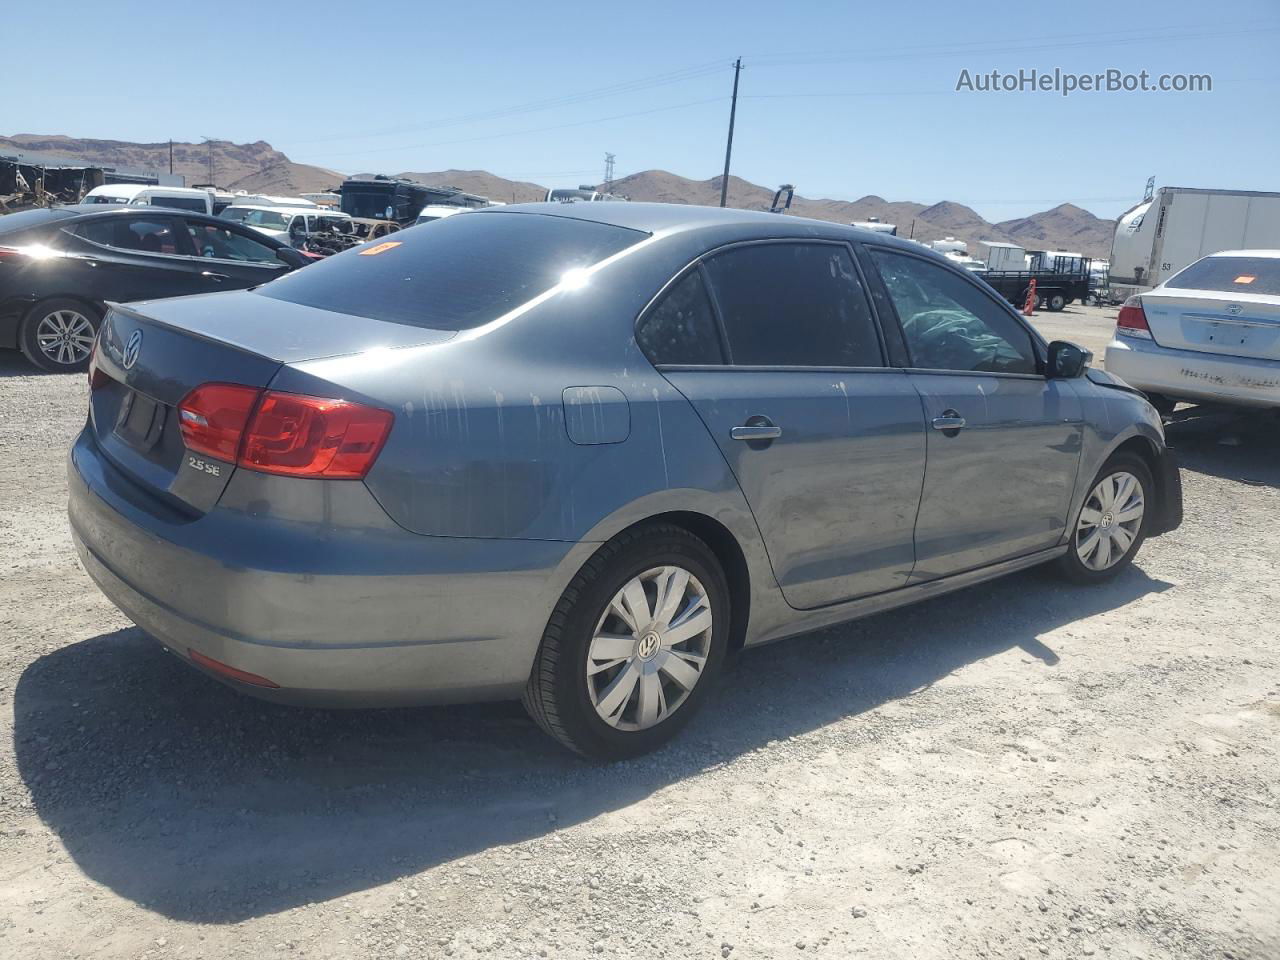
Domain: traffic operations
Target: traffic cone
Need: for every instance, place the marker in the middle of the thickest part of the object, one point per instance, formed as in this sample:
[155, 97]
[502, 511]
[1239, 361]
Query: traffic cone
[1029, 308]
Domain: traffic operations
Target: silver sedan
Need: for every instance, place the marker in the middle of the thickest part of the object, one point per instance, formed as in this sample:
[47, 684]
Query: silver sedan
[1209, 334]
[579, 453]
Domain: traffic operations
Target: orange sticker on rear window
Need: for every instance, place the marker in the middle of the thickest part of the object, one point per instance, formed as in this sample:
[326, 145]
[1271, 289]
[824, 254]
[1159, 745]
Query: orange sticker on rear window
[1245, 279]
[384, 247]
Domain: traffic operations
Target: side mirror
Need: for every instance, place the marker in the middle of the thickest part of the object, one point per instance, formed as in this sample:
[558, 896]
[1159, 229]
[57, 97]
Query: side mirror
[293, 258]
[1067, 360]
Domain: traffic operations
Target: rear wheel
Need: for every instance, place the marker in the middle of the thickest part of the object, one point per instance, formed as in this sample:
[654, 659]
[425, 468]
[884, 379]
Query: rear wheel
[1112, 522]
[57, 335]
[633, 646]
[1056, 302]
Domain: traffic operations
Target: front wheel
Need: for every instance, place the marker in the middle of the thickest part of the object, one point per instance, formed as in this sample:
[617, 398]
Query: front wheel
[57, 335]
[1056, 302]
[1112, 522]
[633, 646]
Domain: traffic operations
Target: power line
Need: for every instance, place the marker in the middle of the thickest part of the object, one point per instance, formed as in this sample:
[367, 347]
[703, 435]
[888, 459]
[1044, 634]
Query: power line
[629, 86]
[520, 133]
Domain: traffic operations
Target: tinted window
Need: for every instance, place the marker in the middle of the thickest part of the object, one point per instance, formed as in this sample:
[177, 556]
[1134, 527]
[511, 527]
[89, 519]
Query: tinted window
[140, 234]
[180, 203]
[463, 272]
[794, 304]
[1231, 275]
[220, 243]
[949, 323]
[681, 328]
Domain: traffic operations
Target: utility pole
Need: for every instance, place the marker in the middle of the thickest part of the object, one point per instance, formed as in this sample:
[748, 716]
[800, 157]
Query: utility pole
[608, 173]
[171, 158]
[209, 143]
[728, 148]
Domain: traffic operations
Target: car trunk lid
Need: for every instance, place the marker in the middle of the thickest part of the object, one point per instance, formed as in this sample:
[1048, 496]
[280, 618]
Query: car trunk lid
[1247, 325]
[150, 356]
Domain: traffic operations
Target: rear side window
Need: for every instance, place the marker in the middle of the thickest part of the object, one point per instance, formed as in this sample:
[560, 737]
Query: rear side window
[1231, 275]
[793, 304]
[140, 234]
[681, 328]
[463, 272]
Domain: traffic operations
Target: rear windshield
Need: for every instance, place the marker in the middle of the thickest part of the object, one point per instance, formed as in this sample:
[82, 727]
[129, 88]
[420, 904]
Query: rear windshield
[1230, 275]
[463, 272]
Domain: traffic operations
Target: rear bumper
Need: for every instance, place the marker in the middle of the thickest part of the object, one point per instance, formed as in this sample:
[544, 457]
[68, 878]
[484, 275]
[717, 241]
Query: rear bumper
[1192, 376]
[364, 615]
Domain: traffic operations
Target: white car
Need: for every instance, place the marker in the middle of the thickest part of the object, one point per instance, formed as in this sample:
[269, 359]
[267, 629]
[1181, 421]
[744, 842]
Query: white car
[286, 224]
[142, 195]
[1208, 334]
[437, 211]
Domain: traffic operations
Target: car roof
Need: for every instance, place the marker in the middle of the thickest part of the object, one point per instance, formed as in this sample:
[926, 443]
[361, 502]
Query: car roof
[279, 208]
[1262, 254]
[133, 189]
[673, 217]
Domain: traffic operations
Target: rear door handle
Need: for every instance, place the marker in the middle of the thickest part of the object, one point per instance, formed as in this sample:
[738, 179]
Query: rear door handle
[219, 277]
[950, 422]
[759, 431]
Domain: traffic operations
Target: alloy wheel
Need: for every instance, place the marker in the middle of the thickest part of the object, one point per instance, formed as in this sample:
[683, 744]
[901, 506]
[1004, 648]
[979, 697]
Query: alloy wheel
[1109, 521]
[649, 648]
[65, 337]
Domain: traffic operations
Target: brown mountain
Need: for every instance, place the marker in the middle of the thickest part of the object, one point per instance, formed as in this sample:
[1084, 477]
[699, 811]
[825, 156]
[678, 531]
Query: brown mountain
[259, 167]
[484, 183]
[237, 166]
[1065, 227]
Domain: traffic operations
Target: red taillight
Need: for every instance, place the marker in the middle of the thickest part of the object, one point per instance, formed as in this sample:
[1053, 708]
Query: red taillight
[283, 433]
[213, 418]
[314, 437]
[96, 377]
[1132, 321]
[218, 667]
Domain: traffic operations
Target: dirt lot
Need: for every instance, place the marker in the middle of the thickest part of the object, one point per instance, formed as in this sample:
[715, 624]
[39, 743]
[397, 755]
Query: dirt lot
[1022, 770]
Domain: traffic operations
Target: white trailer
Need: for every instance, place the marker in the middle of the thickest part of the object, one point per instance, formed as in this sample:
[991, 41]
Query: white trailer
[1004, 256]
[1179, 225]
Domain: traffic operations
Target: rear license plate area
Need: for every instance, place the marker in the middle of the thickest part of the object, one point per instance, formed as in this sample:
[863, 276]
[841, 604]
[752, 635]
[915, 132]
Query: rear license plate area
[141, 421]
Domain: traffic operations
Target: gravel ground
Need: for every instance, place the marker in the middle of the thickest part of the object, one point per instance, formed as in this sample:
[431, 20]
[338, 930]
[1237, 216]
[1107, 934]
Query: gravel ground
[1023, 770]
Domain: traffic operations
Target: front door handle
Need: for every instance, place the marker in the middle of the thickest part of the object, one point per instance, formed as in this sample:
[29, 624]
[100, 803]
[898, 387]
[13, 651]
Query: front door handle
[950, 423]
[219, 277]
[756, 430]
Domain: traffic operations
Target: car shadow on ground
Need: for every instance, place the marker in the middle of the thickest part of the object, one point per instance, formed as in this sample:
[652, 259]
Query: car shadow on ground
[1228, 442]
[204, 805]
[14, 364]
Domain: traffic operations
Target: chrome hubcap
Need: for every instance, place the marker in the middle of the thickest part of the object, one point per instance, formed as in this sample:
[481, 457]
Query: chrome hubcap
[649, 648]
[65, 336]
[1109, 521]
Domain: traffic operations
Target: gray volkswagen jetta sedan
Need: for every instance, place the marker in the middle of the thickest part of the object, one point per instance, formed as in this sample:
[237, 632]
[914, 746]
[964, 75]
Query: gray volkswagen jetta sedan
[578, 453]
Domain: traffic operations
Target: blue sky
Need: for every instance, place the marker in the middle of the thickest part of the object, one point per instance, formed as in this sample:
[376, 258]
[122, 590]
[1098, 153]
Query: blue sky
[842, 99]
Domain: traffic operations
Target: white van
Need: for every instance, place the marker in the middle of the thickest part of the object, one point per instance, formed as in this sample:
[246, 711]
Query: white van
[143, 195]
[286, 224]
[437, 211]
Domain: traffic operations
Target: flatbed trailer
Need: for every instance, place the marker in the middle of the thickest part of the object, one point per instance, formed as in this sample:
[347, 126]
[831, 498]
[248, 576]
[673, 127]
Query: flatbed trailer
[1054, 288]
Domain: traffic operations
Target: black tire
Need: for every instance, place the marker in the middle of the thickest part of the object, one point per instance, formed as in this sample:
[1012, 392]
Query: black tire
[557, 693]
[1069, 565]
[46, 317]
[1164, 405]
[1055, 302]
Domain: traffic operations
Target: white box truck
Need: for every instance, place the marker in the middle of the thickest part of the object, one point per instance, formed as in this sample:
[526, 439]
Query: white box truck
[1179, 225]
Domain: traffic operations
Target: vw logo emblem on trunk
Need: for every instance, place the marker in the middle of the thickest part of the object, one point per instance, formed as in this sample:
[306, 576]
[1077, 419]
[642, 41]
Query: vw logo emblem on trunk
[131, 350]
